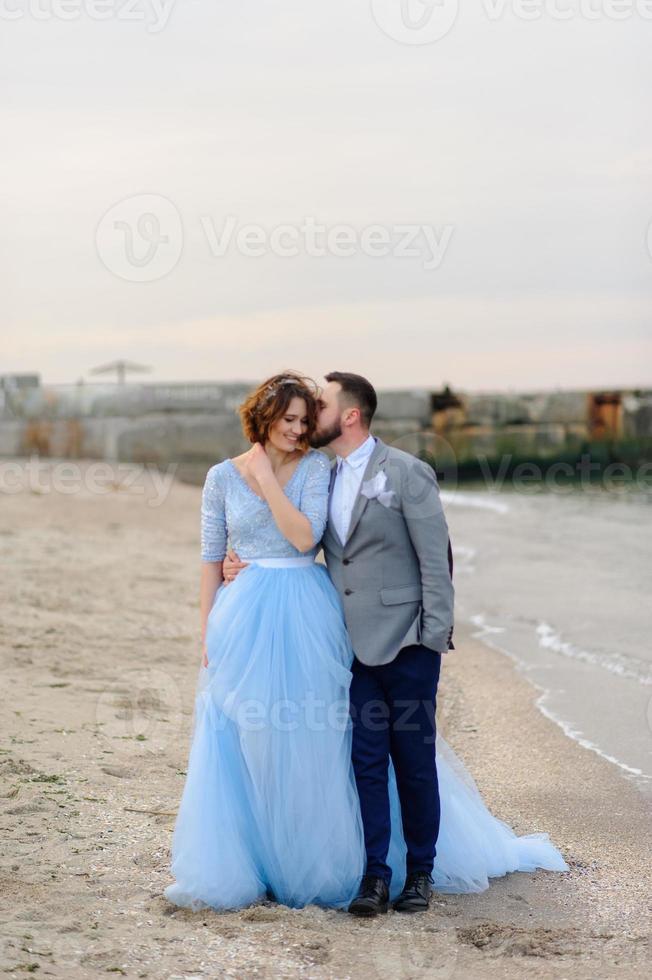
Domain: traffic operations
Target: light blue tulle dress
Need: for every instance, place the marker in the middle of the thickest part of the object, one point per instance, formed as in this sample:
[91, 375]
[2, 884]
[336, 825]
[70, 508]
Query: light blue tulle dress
[269, 807]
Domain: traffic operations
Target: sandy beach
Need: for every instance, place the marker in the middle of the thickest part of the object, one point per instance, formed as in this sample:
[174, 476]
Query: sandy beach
[100, 651]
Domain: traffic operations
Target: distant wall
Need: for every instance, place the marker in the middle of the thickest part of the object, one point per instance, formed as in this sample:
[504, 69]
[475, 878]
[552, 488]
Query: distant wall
[197, 424]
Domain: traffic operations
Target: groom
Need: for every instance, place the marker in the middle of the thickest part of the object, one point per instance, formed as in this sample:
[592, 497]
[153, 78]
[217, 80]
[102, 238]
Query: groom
[388, 553]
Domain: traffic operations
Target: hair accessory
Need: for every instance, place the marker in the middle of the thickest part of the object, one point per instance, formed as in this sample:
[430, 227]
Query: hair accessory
[273, 388]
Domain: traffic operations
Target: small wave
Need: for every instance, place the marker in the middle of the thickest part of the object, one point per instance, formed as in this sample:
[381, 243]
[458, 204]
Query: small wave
[484, 501]
[486, 635]
[585, 742]
[615, 663]
[485, 628]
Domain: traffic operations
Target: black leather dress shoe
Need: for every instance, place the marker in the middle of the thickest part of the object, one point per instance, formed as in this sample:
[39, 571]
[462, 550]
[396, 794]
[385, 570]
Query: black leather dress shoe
[415, 896]
[372, 897]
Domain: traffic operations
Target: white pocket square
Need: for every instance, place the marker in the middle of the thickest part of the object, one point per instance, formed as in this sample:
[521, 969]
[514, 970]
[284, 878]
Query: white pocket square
[375, 489]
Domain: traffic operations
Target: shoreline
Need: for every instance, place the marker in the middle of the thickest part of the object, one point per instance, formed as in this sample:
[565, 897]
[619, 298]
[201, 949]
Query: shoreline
[100, 648]
[545, 582]
[485, 633]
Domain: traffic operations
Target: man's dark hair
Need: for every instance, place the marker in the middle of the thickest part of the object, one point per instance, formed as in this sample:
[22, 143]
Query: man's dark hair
[358, 392]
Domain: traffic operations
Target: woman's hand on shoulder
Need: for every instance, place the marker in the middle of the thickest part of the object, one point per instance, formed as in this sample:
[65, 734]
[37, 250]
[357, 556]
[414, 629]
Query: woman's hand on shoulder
[258, 464]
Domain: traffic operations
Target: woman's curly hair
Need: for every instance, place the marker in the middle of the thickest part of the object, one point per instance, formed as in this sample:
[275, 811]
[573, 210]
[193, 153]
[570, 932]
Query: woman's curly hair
[270, 401]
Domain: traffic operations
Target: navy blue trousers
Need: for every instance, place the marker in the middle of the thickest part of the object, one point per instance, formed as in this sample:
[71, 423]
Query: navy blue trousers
[393, 714]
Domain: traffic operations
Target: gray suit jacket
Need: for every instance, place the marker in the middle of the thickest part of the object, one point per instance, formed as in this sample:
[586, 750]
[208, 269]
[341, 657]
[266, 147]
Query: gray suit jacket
[393, 573]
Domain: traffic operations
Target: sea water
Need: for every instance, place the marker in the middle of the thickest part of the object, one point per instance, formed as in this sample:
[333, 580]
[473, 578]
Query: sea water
[561, 582]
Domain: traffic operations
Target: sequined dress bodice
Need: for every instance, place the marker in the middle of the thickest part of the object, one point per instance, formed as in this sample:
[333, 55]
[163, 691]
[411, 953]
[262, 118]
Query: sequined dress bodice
[231, 511]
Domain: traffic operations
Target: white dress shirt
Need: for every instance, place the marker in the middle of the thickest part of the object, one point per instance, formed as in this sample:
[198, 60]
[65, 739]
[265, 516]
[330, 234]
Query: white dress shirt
[348, 480]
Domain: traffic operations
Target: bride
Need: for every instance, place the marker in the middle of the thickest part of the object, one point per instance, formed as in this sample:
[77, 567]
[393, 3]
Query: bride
[270, 806]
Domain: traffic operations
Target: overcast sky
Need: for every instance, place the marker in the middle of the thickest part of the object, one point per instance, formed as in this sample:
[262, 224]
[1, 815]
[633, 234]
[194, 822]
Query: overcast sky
[509, 160]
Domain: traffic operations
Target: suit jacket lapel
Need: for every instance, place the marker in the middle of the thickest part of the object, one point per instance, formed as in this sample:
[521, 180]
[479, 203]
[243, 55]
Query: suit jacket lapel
[334, 543]
[373, 465]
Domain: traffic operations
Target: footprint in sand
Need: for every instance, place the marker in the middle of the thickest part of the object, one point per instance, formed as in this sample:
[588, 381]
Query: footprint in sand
[34, 807]
[120, 771]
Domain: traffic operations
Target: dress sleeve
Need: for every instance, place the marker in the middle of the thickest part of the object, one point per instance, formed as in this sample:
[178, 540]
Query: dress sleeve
[213, 517]
[314, 494]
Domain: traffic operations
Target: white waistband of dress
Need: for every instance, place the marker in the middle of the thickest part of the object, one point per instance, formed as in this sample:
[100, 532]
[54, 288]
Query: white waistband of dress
[300, 562]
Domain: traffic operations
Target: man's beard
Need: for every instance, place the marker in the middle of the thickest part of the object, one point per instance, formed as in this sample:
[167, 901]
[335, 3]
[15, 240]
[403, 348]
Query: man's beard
[320, 439]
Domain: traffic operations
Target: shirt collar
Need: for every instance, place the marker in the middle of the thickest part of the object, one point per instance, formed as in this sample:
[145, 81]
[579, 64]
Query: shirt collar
[359, 456]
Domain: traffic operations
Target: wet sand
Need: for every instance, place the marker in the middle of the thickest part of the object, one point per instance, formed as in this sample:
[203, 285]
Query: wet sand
[100, 652]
